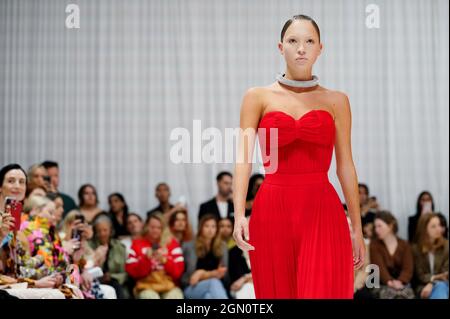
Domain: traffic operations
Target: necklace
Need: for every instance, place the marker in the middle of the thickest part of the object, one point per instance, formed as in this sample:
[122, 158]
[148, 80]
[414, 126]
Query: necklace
[296, 83]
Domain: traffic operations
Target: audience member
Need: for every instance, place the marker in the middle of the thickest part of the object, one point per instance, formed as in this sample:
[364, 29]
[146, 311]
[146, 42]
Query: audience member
[220, 205]
[431, 258]
[206, 257]
[394, 258]
[156, 262]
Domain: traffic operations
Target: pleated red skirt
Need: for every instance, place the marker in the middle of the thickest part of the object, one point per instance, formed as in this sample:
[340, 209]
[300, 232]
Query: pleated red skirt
[302, 240]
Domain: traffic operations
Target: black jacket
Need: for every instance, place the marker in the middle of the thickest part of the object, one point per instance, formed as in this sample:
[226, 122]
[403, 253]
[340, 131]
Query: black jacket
[210, 207]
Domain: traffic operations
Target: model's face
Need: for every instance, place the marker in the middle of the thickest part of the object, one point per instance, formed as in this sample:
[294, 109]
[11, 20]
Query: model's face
[300, 46]
[225, 228]
[14, 185]
[225, 185]
[116, 204]
[434, 229]
[382, 229]
[134, 225]
[209, 229]
[53, 172]
[89, 196]
[180, 222]
[162, 193]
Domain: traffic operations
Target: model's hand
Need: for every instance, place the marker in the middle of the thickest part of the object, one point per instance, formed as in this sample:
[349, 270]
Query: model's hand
[359, 250]
[240, 232]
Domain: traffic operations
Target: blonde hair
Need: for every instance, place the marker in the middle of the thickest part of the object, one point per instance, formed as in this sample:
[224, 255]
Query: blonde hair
[69, 219]
[166, 235]
[35, 202]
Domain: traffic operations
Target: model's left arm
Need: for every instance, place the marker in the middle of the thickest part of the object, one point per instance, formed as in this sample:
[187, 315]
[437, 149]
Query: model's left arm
[346, 172]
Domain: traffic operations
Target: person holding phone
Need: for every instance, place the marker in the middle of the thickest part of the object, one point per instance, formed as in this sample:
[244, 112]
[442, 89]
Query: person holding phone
[77, 232]
[206, 257]
[13, 181]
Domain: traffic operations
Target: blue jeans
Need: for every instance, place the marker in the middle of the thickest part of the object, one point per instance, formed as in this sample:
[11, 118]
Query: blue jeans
[206, 289]
[440, 290]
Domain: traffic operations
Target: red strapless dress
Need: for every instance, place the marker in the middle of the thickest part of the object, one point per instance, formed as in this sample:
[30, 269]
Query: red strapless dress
[298, 225]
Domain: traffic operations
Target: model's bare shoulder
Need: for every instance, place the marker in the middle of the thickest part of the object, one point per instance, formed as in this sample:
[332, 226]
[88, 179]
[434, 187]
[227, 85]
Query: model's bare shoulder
[339, 102]
[252, 106]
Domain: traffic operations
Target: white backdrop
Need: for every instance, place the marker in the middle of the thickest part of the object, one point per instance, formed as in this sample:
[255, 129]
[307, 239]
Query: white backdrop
[102, 100]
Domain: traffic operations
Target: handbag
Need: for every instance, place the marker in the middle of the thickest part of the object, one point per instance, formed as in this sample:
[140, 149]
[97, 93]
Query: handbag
[157, 280]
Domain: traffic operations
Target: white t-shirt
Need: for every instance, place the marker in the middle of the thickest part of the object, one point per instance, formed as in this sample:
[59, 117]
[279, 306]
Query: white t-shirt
[223, 208]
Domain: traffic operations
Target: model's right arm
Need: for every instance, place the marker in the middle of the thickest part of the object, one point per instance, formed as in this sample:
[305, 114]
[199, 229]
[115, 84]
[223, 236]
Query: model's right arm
[251, 111]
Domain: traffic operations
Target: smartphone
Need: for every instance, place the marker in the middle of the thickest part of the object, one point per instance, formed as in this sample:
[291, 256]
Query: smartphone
[76, 234]
[80, 217]
[14, 208]
[155, 247]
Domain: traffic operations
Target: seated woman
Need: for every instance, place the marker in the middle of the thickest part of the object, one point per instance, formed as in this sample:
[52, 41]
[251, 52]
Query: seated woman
[431, 258]
[394, 258]
[206, 259]
[180, 227]
[43, 264]
[77, 234]
[156, 262]
[113, 265]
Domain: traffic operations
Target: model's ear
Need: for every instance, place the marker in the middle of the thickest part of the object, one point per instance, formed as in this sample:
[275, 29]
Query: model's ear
[280, 48]
[321, 48]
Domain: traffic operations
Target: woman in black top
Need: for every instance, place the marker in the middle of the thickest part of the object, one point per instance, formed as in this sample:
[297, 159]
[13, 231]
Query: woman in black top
[206, 260]
[118, 211]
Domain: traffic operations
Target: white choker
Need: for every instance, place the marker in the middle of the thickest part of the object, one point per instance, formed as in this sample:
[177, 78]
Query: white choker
[296, 83]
